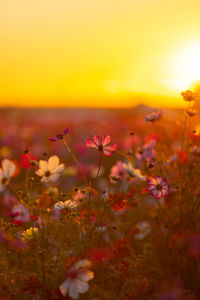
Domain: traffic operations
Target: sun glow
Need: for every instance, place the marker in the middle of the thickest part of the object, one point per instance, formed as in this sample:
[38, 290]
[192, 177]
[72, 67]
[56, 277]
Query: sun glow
[185, 67]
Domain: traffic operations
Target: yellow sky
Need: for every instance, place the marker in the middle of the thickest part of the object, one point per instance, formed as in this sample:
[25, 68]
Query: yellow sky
[97, 52]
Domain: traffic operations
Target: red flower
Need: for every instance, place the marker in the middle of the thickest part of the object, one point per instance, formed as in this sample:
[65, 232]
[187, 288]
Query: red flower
[101, 145]
[117, 201]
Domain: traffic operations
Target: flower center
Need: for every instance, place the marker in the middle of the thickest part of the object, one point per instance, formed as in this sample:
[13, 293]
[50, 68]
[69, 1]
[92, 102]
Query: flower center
[100, 148]
[73, 274]
[47, 173]
[159, 187]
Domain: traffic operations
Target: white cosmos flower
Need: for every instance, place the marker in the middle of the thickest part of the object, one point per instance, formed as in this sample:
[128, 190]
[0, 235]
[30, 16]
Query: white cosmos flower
[76, 282]
[70, 204]
[134, 172]
[50, 170]
[6, 172]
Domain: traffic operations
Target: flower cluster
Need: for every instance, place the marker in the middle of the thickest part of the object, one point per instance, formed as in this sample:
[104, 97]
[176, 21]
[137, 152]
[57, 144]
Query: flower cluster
[77, 225]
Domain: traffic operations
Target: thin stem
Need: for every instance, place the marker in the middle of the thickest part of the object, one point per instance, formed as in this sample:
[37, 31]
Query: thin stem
[76, 160]
[99, 166]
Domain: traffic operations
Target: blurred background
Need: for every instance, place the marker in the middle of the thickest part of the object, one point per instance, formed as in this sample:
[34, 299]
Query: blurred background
[60, 53]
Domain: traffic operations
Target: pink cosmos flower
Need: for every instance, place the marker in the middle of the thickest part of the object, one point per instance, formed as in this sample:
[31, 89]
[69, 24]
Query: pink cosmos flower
[158, 187]
[154, 116]
[118, 172]
[101, 145]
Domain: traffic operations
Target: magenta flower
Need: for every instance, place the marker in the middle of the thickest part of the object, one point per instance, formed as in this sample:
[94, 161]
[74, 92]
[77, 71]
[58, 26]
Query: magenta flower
[158, 187]
[101, 145]
[59, 136]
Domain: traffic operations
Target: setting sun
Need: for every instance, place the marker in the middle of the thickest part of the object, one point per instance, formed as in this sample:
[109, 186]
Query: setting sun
[185, 67]
[120, 53]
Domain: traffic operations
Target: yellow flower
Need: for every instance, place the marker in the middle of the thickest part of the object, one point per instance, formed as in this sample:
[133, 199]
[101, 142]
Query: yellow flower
[30, 233]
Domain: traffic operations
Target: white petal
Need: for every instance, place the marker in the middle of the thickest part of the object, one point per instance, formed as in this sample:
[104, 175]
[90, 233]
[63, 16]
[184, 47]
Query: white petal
[53, 177]
[73, 290]
[64, 287]
[82, 286]
[45, 179]
[43, 165]
[70, 204]
[60, 205]
[151, 187]
[8, 167]
[39, 172]
[53, 162]
[59, 169]
[82, 264]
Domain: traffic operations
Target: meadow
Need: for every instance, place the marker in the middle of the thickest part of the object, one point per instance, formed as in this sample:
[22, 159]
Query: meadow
[100, 204]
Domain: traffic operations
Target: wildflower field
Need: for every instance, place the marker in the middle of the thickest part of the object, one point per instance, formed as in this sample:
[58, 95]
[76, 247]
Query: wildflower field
[102, 204]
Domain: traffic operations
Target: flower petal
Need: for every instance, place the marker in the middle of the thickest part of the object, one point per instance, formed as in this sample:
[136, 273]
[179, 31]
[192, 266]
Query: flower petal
[82, 286]
[109, 150]
[43, 165]
[64, 287]
[90, 144]
[59, 169]
[73, 290]
[105, 140]
[54, 177]
[53, 162]
[8, 167]
[96, 139]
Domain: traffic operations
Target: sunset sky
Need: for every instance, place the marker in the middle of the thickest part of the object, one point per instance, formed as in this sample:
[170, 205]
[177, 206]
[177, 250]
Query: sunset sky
[98, 52]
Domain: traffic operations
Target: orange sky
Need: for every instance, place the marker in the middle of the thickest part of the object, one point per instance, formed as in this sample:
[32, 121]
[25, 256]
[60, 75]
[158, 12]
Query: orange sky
[98, 52]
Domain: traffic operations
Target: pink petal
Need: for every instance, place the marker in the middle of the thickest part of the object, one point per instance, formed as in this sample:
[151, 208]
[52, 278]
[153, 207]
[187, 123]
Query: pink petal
[165, 193]
[90, 144]
[97, 140]
[105, 140]
[151, 187]
[109, 150]
[152, 181]
[154, 192]
[159, 195]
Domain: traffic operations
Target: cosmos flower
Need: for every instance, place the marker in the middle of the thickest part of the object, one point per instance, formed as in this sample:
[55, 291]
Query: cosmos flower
[158, 187]
[154, 116]
[50, 170]
[118, 172]
[101, 145]
[192, 112]
[59, 136]
[134, 172]
[68, 204]
[145, 153]
[76, 282]
[21, 212]
[6, 172]
[143, 230]
[188, 95]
